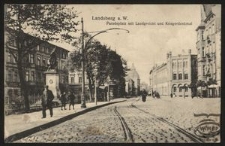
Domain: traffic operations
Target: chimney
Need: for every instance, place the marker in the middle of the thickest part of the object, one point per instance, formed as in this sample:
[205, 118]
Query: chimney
[170, 54]
[189, 51]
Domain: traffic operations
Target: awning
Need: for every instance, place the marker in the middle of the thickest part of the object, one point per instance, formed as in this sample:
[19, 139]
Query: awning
[102, 87]
[213, 86]
[201, 88]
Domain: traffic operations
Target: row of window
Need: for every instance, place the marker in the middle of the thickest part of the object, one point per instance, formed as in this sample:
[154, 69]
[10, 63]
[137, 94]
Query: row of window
[180, 64]
[202, 35]
[209, 49]
[12, 76]
[180, 89]
[72, 80]
[208, 69]
[179, 76]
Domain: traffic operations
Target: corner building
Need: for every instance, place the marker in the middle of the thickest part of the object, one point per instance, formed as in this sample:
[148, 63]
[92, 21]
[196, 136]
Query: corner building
[36, 63]
[174, 76]
[208, 46]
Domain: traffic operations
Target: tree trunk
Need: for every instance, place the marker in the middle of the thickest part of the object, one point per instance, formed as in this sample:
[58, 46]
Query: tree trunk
[90, 89]
[23, 86]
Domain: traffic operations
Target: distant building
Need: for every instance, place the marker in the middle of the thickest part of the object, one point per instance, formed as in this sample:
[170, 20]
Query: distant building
[132, 82]
[35, 65]
[75, 84]
[208, 46]
[174, 76]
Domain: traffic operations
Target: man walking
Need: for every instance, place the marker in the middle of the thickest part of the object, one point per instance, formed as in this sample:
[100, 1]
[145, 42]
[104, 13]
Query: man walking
[63, 101]
[47, 98]
[71, 98]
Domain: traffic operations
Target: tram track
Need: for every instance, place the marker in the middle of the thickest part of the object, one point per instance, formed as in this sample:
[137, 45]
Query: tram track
[127, 132]
[179, 129]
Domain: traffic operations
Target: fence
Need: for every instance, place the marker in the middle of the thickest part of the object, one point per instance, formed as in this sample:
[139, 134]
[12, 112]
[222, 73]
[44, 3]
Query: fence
[15, 104]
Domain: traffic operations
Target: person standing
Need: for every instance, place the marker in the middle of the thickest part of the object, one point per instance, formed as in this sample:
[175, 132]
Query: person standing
[47, 98]
[71, 98]
[144, 94]
[63, 101]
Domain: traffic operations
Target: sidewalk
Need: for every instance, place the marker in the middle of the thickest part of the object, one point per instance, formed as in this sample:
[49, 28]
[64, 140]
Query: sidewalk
[17, 126]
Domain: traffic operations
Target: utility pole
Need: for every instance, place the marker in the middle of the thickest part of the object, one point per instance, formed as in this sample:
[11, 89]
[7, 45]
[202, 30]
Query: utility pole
[83, 104]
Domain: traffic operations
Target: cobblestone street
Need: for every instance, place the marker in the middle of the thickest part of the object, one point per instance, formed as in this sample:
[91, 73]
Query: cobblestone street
[154, 121]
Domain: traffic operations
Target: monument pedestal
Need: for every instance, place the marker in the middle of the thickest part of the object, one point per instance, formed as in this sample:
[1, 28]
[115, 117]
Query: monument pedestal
[52, 80]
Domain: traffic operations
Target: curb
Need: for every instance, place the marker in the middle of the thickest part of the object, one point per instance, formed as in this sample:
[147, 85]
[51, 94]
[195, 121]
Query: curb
[28, 132]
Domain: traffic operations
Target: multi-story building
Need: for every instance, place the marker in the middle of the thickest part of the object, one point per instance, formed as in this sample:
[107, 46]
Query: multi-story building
[174, 76]
[75, 84]
[208, 46]
[36, 63]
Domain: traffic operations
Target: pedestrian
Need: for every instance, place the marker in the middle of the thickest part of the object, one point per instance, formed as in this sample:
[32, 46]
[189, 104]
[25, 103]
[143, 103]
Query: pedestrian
[171, 95]
[46, 99]
[144, 94]
[71, 98]
[63, 101]
[174, 95]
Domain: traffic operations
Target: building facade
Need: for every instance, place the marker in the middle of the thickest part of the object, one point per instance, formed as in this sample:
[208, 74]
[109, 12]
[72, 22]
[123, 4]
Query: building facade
[132, 82]
[208, 46]
[174, 76]
[36, 63]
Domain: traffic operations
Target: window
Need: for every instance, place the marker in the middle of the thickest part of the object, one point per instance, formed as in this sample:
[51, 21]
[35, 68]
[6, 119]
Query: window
[38, 61]
[202, 38]
[72, 80]
[38, 48]
[174, 89]
[180, 89]
[12, 43]
[31, 58]
[213, 29]
[180, 76]
[25, 43]
[203, 52]
[203, 69]
[42, 48]
[80, 79]
[15, 76]
[32, 76]
[186, 89]
[11, 59]
[27, 76]
[44, 62]
[174, 76]
[9, 76]
[38, 77]
[15, 58]
[185, 76]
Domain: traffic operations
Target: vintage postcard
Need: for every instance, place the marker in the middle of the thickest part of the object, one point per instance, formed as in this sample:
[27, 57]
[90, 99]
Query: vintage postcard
[112, 73]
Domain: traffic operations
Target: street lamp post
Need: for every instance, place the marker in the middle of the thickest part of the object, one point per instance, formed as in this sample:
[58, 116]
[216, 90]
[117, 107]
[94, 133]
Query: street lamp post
[84, 47]
[83, 104]
[95, 90]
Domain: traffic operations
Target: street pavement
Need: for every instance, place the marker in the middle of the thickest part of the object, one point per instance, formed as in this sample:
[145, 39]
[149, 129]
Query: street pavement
[165, 120]
[22, 123]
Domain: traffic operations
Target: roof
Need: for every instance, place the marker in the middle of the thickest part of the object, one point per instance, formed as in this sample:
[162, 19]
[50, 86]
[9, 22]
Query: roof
[133, 74]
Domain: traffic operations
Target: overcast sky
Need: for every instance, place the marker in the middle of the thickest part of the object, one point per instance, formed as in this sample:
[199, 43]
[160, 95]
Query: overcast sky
[144, 45]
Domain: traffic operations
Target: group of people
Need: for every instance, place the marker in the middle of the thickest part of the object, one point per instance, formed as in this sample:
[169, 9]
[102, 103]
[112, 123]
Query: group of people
[48, 97]
[64, 98]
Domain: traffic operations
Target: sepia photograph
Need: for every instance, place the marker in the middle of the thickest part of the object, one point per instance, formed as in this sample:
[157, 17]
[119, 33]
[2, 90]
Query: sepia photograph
[112, 73]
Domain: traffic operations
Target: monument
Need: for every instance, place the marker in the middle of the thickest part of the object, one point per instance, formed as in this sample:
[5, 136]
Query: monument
[52, 76]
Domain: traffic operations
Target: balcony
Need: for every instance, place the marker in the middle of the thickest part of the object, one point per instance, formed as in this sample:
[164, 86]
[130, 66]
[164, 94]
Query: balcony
[39, 67]
[201, 59]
